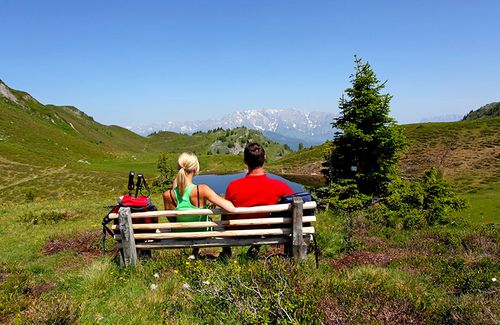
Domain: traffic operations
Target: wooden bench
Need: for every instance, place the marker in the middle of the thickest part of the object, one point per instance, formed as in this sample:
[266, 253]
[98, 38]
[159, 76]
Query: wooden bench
[286, 224]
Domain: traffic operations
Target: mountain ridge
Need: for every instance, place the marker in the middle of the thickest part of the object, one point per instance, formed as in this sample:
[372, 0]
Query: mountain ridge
[285, 126]
[490, 110]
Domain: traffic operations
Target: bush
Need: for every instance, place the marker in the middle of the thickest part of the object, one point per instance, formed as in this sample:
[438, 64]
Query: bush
[44, 217]
[439, 198]
[346, 196]
[29, 196]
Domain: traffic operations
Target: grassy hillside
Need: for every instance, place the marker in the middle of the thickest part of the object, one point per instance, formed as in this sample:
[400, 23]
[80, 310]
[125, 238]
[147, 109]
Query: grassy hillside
[487, 111]
[59, 151]
[468, 152]
[214, 142]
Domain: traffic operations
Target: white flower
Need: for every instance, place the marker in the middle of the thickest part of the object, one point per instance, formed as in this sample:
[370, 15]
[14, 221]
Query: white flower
[191, 257]
[154, 286]
[206, 282]
[186, 286]
[494, 279]
[156, 275]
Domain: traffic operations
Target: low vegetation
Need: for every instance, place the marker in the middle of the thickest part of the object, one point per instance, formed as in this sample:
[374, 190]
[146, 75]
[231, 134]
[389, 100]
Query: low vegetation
[368, 272]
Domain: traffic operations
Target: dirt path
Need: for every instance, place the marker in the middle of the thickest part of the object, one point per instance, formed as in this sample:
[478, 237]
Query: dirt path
[28, 179]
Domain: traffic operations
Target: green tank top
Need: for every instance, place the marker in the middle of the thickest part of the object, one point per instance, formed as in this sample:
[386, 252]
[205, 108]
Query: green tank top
[184, 203]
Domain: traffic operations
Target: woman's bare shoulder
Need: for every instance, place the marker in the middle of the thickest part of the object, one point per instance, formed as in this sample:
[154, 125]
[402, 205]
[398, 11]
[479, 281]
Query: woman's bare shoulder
[204, 189]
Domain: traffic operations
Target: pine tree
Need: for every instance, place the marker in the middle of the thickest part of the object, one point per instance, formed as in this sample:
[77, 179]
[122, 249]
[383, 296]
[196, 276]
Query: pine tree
[167, 174]
[367, 145]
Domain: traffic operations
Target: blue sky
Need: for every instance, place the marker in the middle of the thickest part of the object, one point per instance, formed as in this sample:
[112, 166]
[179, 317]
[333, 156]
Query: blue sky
[133, 63]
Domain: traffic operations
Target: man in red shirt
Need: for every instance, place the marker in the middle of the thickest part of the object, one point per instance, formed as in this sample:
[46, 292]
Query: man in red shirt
[254, 189]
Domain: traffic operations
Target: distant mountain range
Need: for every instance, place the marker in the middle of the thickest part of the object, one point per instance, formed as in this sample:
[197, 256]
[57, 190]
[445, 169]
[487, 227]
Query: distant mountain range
[442, 118]
[285, 126]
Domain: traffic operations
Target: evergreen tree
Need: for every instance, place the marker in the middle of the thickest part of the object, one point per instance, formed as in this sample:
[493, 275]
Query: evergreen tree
[367, 145]
[167, 174]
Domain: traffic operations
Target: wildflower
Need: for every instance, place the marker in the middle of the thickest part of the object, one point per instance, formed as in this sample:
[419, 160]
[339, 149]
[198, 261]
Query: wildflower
[494, 279]
[191, 257]
[156, 276]
[176, 271]
[187, 263]
[186, 286]
[206, 282]
[153, 286]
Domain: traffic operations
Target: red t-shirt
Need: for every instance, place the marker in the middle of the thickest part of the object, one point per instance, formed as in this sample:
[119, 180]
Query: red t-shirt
[256, 190]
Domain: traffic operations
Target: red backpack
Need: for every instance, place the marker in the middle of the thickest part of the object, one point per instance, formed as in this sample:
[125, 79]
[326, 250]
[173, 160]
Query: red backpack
[136, 204]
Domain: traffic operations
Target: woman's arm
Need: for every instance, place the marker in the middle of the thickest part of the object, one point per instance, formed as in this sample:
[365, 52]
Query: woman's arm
[216, 199]
[167, 201]
[168, 204]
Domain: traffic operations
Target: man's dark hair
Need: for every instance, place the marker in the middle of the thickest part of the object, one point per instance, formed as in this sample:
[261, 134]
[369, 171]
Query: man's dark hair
[254, 155]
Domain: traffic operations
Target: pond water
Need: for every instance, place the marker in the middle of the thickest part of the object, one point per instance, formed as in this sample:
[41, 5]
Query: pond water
[219, 182]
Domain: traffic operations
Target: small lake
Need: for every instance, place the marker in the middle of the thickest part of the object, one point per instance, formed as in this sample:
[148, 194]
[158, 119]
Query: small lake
[219, 182]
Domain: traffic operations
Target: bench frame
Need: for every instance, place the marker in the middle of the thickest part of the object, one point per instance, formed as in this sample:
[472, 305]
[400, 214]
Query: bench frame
[288, 229]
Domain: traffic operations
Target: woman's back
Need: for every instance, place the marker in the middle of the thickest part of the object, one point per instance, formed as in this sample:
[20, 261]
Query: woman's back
[194, 196]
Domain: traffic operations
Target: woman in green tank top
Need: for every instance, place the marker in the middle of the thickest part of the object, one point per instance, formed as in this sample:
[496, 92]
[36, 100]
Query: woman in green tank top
[184, 203]
[188, 196]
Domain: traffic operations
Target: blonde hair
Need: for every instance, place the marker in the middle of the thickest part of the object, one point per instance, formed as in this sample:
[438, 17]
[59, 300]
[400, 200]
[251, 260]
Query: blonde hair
[187, 164]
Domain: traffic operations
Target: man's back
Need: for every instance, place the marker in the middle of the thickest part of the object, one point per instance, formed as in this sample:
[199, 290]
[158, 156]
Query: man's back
[253, 190]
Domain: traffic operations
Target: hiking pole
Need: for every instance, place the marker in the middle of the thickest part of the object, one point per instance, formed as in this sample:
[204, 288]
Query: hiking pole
[130, 182]
[138, 185]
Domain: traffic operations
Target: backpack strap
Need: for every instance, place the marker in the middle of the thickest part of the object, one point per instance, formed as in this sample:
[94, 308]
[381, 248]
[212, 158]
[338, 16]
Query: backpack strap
[198, 193]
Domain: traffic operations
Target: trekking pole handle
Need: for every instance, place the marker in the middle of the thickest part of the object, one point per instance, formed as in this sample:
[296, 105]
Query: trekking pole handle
[138, 185]
[131, 175]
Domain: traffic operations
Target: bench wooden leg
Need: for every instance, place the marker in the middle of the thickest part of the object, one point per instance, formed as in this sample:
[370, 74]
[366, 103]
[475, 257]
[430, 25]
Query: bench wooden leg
[299, 247]
[129, 256]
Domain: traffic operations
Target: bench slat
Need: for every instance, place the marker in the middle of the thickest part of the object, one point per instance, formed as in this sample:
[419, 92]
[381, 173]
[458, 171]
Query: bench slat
[259, 209]
[225, 233]
[204, 224]
[212, 242]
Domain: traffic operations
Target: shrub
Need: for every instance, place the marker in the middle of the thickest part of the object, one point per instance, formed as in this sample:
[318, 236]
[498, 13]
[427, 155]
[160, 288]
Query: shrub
[412, 204]
[346, 196]
[439, 197]
[44, 217]
[29, 196]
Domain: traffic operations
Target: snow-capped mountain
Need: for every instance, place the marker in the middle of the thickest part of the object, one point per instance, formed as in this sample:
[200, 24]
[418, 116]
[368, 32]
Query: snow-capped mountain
[288, 126]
